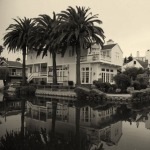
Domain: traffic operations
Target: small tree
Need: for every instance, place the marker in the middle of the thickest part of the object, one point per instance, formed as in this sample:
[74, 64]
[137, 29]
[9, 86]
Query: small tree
[123, 81]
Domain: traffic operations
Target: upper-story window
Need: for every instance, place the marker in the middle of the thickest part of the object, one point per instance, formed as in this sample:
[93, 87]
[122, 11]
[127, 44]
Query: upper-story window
[71, 53]
[134, 62]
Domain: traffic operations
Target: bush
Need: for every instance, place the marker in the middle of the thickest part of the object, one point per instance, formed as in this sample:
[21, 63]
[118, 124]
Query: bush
[70, 83]
[136, 85]
[143, 86]
[26, 90]
[118, 90]
[82, 92]
[130, 89]
[102, 86]
[43, 83]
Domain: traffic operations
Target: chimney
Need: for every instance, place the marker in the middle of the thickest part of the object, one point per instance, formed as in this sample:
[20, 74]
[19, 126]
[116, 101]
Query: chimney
[110, 41]
[137, 54]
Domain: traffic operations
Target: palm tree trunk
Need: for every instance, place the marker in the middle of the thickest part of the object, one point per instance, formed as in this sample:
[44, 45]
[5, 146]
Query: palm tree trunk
[24, 67]
[54, 68]
[78, 52]
[54, 109]
[77, 128]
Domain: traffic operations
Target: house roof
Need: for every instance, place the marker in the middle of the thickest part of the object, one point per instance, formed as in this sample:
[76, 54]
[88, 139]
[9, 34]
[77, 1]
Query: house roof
[14, 64]
[109, 46]
[142, 63]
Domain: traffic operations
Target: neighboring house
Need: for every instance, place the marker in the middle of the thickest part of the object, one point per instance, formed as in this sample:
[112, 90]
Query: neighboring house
[136, 63]
[96, 64]
[15, 70]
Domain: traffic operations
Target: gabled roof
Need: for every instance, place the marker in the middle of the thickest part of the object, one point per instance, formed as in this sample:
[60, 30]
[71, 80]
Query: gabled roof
[142, 63]
[14, 64]
[109, 46]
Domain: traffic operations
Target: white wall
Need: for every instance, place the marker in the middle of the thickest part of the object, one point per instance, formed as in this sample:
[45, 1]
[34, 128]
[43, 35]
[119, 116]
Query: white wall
[114, 58]
[131, 64]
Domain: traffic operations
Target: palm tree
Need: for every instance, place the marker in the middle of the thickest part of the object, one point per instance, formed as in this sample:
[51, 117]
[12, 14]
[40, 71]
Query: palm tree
[16, 39]
[1, 49]
[78, 30]
[43, 39]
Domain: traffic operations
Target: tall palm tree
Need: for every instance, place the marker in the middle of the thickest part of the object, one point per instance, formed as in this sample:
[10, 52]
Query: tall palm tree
[43, 39]
[16, 39]
[1, 49]
[78, 29]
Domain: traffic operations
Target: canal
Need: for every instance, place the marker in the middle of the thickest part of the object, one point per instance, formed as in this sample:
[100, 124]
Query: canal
[80, 124]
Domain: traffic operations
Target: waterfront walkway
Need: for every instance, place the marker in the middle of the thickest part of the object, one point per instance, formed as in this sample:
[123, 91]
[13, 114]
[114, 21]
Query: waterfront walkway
[71, 93]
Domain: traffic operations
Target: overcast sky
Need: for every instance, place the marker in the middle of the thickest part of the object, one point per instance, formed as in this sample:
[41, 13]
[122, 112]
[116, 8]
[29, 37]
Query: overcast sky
[127, 22]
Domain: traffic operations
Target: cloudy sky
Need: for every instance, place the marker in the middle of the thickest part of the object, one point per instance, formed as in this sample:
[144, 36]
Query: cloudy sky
[127, 22]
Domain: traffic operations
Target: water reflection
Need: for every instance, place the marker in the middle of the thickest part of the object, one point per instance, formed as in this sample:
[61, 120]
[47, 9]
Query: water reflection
[86, 126]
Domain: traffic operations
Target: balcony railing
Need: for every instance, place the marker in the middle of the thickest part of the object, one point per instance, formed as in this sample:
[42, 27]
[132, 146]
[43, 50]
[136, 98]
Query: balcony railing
[95, 57]
[59, 78]
[16, 74]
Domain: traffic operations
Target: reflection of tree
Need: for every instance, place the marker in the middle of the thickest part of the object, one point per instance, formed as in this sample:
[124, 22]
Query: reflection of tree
[54, 110]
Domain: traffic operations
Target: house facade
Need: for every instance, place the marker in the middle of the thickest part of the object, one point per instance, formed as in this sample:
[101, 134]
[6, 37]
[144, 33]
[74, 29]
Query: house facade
[136, 63]
[14, 68]
[96, 64]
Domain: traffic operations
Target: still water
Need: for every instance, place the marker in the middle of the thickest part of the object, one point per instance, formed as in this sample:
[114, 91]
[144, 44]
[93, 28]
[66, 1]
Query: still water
[109, 126]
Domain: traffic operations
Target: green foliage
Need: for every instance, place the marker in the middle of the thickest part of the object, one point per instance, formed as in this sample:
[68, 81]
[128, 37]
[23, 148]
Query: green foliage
[142, 78]
[17, 39]
[132, 72]
[79, 31]
[26, 90]
[4, 73]
[123, 81]
[130, 89]
[102, 86]
[136, 84]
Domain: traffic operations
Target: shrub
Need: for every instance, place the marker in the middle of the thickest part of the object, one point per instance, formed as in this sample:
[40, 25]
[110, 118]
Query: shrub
[43, 83]
[136, 85]
[130, 89]
[143, 86]
[26, 90]
[118, 90]
[82, 92]
[102, 86]
[70, 83]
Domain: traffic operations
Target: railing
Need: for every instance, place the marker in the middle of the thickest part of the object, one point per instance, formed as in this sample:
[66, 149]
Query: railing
[43, 73]
[95, 57]
[16, 74]
[59, 78]
[54, 87]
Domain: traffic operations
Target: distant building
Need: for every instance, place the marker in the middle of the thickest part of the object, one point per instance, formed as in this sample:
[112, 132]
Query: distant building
[15, 69]
[136, 63]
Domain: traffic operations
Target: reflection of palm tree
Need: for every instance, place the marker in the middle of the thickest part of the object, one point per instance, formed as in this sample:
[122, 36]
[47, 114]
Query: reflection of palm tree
[1, 49]
[54, 110]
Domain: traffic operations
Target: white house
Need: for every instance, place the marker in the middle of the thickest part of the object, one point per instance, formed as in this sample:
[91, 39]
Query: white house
[136, 63]
[96, 64]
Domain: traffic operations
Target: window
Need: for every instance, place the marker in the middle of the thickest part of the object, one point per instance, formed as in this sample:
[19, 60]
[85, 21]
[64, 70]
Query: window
[134, 62]
[111, 78]
[85, 72]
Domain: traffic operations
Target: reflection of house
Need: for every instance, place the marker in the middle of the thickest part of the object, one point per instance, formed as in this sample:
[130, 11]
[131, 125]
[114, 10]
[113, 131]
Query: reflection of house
[91, 121]
[14, 68]
[147, 121]
[111, 134]
[96, 64]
